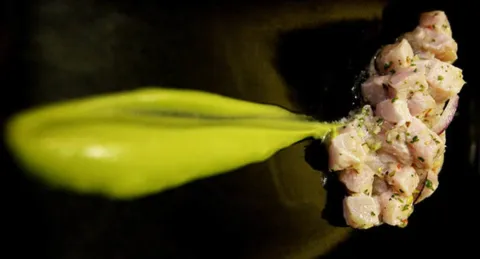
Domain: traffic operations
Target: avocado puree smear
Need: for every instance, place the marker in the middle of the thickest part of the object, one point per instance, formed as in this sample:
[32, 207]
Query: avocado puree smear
[132, 144]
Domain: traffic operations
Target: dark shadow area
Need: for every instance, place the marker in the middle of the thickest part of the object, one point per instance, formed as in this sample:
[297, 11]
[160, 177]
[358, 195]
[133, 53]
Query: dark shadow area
[21, 221]
[316, 155]
[322, 66]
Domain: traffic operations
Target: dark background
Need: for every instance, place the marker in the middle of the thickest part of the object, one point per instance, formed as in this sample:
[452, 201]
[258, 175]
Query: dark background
[292, 53]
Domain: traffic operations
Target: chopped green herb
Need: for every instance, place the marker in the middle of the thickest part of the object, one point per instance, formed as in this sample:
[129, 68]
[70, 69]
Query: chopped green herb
[440, 78]
[402, 191]
[415, 70]
[380, 121]
[393, 71]
[366, 192]
[421, 159]
[373, 214]
[392, 173]
[394, 99]
[428, 184]
[445, 26]
[398, 137]
[387, 65]
[405, 207]
[414, 139]
[422, 87]
[395, 196]
[435, 139]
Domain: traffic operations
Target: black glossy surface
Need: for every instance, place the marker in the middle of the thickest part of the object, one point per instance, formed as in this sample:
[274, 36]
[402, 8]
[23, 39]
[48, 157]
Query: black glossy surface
[275, 52]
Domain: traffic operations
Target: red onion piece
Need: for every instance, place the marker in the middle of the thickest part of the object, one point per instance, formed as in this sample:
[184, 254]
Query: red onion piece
[447, 115]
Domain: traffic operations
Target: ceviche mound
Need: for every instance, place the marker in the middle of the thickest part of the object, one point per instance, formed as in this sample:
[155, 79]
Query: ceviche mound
[389, 153]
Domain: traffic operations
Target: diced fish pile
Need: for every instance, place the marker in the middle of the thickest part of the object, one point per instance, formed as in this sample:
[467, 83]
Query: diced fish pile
[390, 152]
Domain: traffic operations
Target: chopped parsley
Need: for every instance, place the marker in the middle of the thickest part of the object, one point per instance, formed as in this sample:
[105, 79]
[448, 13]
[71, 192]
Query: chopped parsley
[392, 173]
[421, 159]
[373, 214]
[387, 65]
[414, 139]
[395, 196]
[394, 99]
[440, 78]
[428, 184]
[405, 207]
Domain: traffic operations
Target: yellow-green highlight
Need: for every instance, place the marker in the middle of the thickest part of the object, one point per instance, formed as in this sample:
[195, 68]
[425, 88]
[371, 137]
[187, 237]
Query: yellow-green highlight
[132, 144]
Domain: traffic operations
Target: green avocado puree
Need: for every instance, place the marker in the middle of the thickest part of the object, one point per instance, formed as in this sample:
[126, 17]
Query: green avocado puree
[132, 144]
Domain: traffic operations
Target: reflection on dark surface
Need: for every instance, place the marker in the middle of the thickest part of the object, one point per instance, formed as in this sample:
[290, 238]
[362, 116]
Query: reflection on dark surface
[66, 49]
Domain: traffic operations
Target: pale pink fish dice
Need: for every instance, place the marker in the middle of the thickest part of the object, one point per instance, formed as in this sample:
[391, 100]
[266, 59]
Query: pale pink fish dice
[404, 83]
[431, 184]
[379, 162]
[445, 80]
[387, 155]
[379, 186]
[437, 21]
[393, 143]
[346, 150]
[420, 103]
[393, 110]
[373, 90]
[361, 211]
[424, 144]
[404, 180]
[358, 180]
[441, 45]
[395, 208]
[395, 56]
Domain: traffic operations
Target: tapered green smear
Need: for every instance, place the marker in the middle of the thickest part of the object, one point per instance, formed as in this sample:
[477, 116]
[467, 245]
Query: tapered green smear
[132, 144]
